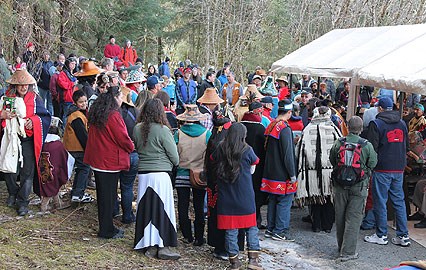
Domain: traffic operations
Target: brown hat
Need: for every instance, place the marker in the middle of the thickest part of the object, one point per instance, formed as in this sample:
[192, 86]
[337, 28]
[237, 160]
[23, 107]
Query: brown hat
[210, 97]
[191, 114]
[127, 97]
[261, 72]
[88, 68]
[21, 77]
[283, 79]
[251, 88]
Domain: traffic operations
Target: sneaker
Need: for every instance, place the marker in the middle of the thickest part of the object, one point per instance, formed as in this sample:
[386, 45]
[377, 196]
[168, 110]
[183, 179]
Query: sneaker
[151, 252]
[345, 258]
[268, 234]
[376, 240]
[91, 184]
[86, 198]
[421, 224]
[11, 201]
[22, 211]
[282, 237]
[221, 255]
[403, 241]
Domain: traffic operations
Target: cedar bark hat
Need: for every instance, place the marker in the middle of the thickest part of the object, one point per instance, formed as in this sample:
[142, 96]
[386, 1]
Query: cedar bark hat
[191, 114]
[210, 97]
[88, 68]
[21, 77]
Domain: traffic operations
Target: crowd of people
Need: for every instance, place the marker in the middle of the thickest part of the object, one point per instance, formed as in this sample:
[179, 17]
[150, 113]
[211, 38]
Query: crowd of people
[232, 148]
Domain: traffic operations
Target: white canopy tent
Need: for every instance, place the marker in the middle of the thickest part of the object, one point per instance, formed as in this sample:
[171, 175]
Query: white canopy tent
[389, 57]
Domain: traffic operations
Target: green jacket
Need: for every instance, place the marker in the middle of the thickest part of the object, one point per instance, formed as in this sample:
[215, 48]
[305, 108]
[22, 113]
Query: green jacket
[160, 152]
[368, 155]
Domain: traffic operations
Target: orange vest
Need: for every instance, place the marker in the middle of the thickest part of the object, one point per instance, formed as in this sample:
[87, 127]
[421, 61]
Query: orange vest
[235, 92]
[70, 140]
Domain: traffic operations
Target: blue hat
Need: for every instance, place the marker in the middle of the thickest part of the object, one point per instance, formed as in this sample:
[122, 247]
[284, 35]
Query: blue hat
[386, 103]
[419, 106]
[152, 81]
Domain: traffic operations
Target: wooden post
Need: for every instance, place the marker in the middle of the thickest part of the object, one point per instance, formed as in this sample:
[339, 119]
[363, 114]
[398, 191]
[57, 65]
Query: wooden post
[352, 100]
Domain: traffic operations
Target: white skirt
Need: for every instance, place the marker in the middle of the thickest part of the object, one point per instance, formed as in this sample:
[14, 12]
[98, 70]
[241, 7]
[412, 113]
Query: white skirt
[155, 217]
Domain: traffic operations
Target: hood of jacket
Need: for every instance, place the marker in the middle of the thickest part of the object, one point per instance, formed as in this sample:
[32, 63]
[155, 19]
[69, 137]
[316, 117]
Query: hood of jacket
[389, 117]
[193, 130]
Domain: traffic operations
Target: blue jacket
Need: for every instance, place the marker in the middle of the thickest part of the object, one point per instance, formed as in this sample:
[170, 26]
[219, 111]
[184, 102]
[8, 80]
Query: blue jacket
[186, 93]
[222, 78]
[388, 134]
[164, 69]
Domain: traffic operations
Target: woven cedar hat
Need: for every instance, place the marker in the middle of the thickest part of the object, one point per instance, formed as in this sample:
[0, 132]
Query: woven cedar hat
[283, 79]
[210, 97]
[21, 77]
[88, 68]
[191, 114]
[127, 97]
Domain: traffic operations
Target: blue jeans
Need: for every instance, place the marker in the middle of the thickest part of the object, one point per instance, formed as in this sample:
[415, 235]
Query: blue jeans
[127, 179]
[369, 221]
[81, 176]
[64, 106]
[47, 99]
[384, 184]
[231, 240]
[279, 213]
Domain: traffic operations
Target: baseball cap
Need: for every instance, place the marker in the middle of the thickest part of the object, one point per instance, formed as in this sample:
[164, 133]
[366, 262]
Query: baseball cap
[152, 81]
[386, 103]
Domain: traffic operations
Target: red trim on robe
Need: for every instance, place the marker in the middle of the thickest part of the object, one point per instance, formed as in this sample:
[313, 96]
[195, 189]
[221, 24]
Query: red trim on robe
[256, 162]
[225, 222]
[37, 131]
[278, 187]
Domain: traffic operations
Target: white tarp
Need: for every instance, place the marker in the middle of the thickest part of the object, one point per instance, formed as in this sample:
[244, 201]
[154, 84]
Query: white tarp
[389, 57]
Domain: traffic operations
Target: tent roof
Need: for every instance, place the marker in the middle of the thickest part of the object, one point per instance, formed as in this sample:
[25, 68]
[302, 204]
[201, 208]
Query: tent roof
[389, 57]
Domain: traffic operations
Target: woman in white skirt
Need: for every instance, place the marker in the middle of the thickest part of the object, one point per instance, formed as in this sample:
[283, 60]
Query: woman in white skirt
[155, 229]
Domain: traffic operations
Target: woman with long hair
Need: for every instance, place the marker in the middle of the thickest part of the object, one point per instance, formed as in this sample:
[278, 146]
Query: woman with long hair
[235, 161]
[107, 152]
[155, 229]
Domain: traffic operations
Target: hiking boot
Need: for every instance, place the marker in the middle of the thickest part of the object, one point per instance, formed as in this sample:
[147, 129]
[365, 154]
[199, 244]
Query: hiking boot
[345, 258]
[151, 252]
[421, 224]
[282, 237]
[376, 240]
[235, 262]
[268, 234]
[58, 204]
[254, 261]
[22, 211]
[11, 201]
[403, 241]
[44, 205]
[165, 253]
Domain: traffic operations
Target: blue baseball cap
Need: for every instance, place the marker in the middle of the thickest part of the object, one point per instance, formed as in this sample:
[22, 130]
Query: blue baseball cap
[386, 103]
[152, 81]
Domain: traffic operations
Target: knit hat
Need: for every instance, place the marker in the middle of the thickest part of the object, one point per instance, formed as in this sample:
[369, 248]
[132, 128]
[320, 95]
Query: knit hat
[386, 103]
[29, 44]
[355, 125]
[419, 106]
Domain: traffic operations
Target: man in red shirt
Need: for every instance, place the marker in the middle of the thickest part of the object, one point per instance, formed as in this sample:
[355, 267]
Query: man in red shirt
[112, 51]
[283, 91]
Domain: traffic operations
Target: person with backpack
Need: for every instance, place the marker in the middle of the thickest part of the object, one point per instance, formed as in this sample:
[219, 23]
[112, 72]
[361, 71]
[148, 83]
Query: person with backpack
[350, 196]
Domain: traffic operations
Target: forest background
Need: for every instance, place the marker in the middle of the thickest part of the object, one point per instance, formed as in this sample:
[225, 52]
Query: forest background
[243, 32]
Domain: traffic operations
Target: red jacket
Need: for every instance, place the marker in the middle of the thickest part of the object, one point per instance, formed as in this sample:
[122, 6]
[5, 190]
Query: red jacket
[128, 56]
[109, 148]
[112, 50]
[284, 93]
[67, 87]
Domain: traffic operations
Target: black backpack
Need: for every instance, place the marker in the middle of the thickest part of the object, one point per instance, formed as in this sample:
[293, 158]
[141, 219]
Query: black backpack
[348, 171]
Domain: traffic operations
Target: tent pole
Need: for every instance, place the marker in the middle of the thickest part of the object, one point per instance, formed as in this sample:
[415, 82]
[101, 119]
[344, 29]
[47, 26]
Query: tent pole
[401, 103]
[352, 100]
[291, 81]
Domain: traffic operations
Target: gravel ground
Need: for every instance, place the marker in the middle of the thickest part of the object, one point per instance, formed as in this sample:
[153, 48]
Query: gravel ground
[319, 250]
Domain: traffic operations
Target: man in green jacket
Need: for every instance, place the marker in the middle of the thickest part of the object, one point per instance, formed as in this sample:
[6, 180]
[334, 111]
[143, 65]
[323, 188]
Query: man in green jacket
[349, 201]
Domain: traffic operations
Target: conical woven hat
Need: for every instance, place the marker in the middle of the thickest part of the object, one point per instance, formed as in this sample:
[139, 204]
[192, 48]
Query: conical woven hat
[21, 77]
[210, 97]
[191, 114]
[88, 68]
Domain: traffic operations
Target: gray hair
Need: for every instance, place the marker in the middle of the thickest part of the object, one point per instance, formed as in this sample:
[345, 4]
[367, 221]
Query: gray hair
[106, 61]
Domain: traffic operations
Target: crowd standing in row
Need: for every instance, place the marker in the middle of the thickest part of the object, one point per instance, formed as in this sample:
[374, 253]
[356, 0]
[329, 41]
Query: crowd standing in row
[270, 143]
